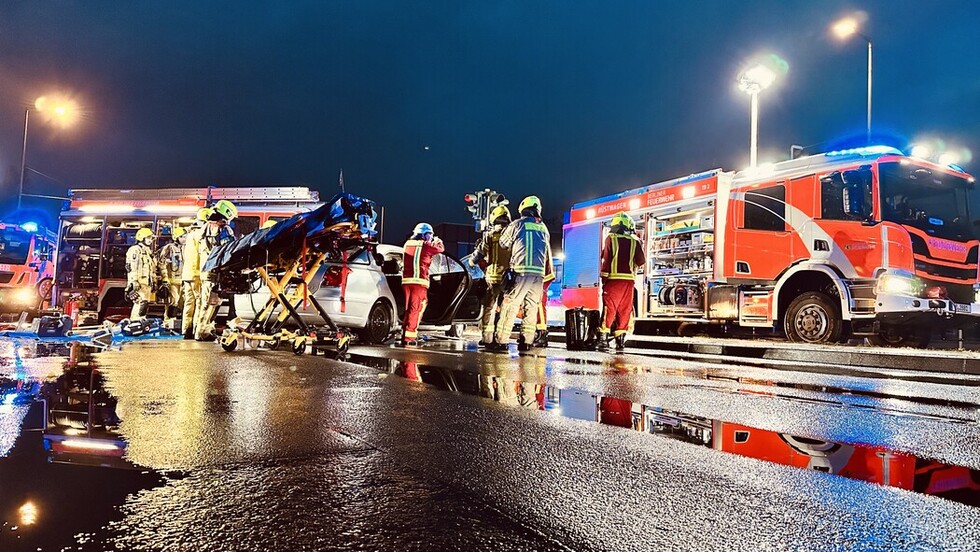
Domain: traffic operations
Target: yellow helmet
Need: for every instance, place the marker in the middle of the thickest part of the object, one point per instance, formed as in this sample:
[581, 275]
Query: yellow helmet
[226, 209]
[498, 212]
[143, 233]
[204, 214]
[528, 202]
[269, 223]
[177, 232]
[624, 220]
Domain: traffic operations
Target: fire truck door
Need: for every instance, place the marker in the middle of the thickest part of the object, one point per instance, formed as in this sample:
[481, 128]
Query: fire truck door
[762, 244]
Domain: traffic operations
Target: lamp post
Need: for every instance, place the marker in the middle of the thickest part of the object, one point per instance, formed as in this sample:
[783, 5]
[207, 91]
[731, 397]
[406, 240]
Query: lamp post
[753, 80]
[844, 29]
[59, 111]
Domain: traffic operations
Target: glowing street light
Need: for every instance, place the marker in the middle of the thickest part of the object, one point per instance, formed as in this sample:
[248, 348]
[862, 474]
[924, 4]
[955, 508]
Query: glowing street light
[61, 112]
[845, 29]
[753, 80]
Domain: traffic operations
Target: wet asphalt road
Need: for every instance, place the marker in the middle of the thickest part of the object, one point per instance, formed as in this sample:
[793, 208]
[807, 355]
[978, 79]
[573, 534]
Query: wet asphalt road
[445, 448]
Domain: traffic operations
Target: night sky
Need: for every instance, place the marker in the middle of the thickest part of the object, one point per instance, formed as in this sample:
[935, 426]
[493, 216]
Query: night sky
[565, 99]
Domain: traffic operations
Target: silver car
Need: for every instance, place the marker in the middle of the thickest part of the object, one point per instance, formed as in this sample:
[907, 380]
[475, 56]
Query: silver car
[370, 298]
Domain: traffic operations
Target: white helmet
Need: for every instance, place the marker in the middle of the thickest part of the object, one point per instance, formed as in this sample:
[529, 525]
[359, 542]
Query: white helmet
[423, 228]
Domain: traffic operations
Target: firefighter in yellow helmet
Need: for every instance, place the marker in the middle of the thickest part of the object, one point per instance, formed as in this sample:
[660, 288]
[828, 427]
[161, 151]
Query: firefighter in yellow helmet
[190, 273]
[494, 260]
[140, 273]
[170, 261]
[214, 233]
[622, 256]
[529, 243]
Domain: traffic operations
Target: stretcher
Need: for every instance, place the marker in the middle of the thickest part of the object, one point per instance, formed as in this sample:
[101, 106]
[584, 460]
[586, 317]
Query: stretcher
[286, 258]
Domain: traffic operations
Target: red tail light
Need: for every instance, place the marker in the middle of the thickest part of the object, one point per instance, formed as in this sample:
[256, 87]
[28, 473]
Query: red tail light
[333, 277]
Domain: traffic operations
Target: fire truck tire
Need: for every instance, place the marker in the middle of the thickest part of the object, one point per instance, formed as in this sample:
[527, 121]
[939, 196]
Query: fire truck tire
[813, 317]
[44, 291]
[902, 337]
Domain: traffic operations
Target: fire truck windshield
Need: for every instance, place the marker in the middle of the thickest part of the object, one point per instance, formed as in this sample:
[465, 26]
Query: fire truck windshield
[14, 246]
[933, 201]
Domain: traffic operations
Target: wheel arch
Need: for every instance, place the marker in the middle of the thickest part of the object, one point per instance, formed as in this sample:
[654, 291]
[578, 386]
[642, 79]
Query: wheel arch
[810, 277]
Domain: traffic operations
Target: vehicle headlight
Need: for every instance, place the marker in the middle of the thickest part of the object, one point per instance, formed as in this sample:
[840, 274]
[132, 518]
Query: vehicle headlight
[23, 295]
[976, 293]
[898, 284]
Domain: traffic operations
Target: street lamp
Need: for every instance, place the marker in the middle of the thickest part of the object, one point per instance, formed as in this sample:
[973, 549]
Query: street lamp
[58, 111]
[753, 80]
[844, 29]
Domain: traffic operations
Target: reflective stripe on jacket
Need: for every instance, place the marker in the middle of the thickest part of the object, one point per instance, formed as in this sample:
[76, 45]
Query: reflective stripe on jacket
[416, 258]
[622, 255]
[497, 257]
[530, 246]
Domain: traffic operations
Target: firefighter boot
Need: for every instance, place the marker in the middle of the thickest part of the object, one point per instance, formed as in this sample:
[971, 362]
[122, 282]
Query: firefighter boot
[603, 342]
[620, 343]
[541, 338]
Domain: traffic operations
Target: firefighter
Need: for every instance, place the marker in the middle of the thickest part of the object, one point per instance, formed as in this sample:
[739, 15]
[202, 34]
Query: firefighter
[170, 262]
[493, 260]
[541, 331]
[622, 256]
[214, 233]
[140, 273]
[417, 256]
[529, 243]
[190, 273]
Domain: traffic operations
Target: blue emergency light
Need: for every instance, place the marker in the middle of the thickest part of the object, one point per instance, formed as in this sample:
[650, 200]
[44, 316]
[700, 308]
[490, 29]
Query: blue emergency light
[29, 227]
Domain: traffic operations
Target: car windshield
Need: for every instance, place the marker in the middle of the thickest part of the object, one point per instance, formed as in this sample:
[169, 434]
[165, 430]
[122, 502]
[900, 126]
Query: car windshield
[14, 246]
[935, 202]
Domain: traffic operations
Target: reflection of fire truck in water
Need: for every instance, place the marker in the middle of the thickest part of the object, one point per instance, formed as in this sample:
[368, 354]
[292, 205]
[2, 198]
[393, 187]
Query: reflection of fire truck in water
[99, 226]
[26, 266]
[861, 242]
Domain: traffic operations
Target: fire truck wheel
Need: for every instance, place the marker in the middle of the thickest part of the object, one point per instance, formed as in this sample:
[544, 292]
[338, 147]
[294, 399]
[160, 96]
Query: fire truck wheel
[44, 291]
[813, 317]
[901, 337]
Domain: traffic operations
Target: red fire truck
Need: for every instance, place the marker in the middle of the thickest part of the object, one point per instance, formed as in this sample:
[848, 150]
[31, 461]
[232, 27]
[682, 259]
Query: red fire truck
[26, 266]
[98, 226]
[858, 242]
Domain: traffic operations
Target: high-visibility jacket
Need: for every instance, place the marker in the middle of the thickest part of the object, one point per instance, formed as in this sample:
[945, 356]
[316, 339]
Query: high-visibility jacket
[140, 265]
[192, 257]
[622, 256]
[530, 246]
[496, 256]
[416, 258]
[212, 235]
[549, 272]
[170, 261]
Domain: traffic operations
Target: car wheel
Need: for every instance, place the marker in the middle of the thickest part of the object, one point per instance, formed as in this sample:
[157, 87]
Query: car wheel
[378, 325]
[813, 318]
[901, 337]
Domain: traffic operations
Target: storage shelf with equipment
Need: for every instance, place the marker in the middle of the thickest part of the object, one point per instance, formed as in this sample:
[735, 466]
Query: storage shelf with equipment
[680, 260]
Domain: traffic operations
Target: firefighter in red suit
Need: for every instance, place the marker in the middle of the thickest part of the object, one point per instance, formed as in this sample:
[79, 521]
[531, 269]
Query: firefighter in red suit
[622, 257]
[541, 331]
[417, 257]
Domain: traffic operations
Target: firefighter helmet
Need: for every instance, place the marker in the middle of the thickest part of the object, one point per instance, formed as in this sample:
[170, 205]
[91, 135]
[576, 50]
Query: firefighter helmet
[500, 211]
[204, 214]
[529, 202]
[269, 223]
[226, 209]
[143, 233]
[423, 228]
[623, 220]
[177, 232]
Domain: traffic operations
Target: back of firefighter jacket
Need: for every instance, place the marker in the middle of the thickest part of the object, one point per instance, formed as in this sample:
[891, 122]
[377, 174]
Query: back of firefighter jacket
[416, 258]
[530, 246]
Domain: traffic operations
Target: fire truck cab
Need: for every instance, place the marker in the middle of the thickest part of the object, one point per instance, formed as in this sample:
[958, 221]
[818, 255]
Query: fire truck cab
[860, 242]
[26, 266]
[99, 225]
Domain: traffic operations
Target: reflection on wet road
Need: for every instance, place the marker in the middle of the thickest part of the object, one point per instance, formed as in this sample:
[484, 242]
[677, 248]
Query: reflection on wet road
[181, 446]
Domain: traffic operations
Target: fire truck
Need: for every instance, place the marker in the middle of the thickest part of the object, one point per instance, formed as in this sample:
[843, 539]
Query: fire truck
[26, 266]
[99, 225]
[863, 242]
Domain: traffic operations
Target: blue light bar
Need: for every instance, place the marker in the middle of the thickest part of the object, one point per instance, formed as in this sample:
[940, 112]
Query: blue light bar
[869, 150]
[29, 226]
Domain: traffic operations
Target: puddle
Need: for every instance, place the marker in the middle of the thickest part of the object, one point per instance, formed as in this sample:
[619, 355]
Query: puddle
[855, 461]
[63, 472]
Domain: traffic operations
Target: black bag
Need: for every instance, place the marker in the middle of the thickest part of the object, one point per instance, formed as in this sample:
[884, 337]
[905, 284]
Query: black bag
[508, 281]
[54, 326]
[581, 329]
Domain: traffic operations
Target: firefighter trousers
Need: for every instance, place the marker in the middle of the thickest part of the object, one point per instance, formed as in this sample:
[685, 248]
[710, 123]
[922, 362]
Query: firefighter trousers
[416, 299]
[543, 311]
[142, 303]
[488, 325]
[172, 306]
[617, 307]
[204, 314]
[192, 294]
[525, 295]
